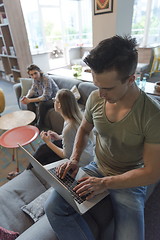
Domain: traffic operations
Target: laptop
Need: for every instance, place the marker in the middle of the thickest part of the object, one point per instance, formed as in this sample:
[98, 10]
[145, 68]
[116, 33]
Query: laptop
[64, 186]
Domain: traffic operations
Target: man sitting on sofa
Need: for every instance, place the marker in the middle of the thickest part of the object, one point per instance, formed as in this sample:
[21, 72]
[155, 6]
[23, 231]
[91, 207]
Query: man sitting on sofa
[127, 145]
[41, 93]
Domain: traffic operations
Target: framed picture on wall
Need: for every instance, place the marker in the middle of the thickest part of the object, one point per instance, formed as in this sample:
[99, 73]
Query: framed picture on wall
[103, 6]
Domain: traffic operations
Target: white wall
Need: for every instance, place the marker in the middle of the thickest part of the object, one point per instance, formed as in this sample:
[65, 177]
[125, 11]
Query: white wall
[42, 61]
[109, 24]
[124, 16]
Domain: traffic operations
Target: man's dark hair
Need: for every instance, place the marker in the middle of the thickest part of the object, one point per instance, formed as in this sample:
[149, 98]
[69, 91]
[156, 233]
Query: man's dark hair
[115, 53]
[34, 67]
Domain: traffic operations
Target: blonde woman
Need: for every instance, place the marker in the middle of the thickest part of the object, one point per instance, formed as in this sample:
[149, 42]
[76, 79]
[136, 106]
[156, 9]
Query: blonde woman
[56, 146]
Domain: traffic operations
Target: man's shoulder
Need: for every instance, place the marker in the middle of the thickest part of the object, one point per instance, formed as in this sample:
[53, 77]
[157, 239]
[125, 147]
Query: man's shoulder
[149, 108]
[49, 78]
[94, 100]
[151, 102]
[94, 94]
[46, 76]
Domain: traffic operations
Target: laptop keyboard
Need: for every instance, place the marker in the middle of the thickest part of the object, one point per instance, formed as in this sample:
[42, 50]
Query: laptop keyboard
[70, 183]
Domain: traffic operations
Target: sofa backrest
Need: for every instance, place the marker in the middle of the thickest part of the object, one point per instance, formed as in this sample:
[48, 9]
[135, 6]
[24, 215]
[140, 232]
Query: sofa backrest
[85, 88]
[65, 82]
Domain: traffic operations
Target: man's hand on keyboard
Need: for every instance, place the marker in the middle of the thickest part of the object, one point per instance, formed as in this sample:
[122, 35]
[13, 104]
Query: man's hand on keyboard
[90, 186]
[66, 167]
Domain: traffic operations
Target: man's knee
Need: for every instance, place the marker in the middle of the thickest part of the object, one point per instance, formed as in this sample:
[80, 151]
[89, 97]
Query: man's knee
[57, 205]
[131, 198]
[31, 107]
[42, 104]
[46, 105]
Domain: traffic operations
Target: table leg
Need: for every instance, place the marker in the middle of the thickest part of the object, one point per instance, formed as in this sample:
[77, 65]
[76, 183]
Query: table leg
[13, 174]
[17, 160]
[13, 155]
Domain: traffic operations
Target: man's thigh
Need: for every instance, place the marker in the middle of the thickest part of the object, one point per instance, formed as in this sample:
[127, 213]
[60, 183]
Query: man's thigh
[92, 170]
[45, 105]
[128, 206]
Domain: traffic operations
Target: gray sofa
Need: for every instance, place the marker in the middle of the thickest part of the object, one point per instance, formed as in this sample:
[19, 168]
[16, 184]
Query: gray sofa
[24, 190]
[52, 117]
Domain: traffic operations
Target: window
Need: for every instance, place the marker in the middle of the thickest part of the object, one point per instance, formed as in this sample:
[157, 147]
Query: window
[77, 22]
[146, 22]
[55, 25]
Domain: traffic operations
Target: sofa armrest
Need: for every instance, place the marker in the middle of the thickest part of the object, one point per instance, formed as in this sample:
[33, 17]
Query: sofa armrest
[13, 195]
[40, 230]
[17, 89]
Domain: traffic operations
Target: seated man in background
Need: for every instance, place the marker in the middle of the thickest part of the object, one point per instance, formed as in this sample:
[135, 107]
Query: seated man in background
[41, 93]
[127, 145]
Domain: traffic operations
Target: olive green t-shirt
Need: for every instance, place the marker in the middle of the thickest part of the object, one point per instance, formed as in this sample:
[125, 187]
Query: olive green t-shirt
[119, 145]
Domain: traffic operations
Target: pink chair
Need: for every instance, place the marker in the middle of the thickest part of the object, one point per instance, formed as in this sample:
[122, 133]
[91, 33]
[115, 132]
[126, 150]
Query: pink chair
[20, 135]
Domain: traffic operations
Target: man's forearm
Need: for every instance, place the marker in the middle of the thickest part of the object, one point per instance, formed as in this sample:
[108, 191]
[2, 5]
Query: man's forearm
[133, 178]
[36, 99]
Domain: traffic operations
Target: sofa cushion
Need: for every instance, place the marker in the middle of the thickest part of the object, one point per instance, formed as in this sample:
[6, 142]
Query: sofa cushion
[35, 209]
[19, 191]
[76, 93]
[26, 84]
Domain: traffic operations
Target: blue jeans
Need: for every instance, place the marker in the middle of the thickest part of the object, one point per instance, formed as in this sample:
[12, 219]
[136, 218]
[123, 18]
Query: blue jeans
[128, 205]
